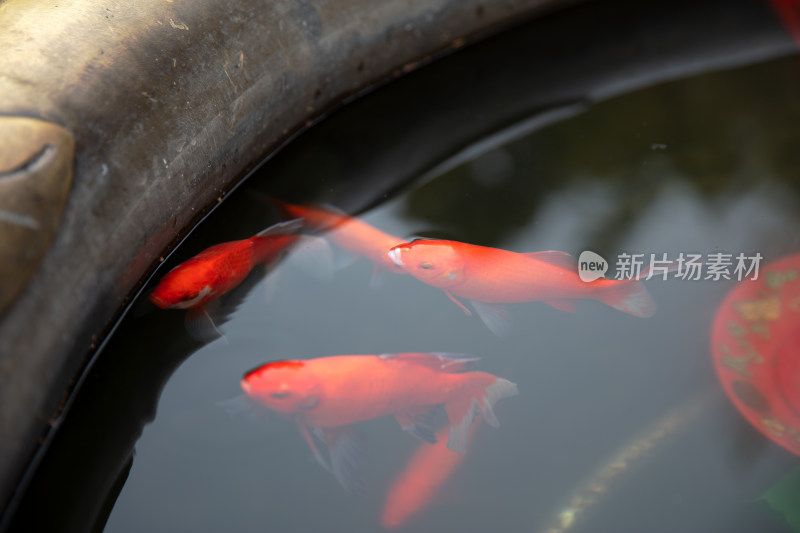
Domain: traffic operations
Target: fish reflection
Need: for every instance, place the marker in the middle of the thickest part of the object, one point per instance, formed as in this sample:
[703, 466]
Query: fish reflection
[424, 476]
[348, 233]
[328, 394]
[199, 281]
[489, 277]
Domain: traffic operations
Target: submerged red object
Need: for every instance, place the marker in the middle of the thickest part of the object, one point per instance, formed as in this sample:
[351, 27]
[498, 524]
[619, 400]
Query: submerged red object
[755, 346]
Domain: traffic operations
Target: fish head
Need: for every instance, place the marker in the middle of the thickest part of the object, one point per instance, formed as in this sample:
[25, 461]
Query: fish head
[434, 262]
[283, 386]
[185, 287]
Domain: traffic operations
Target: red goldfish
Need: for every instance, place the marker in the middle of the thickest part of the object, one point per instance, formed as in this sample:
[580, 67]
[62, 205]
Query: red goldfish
[490, 276]
[417, 486]
[216, 270]
[330, 393]
[348, 233]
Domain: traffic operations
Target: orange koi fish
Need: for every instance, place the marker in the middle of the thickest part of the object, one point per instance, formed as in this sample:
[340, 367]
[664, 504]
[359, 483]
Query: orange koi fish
[330, 393]
[348, 233]
[488, 277]
[199, 281]
[425, 474]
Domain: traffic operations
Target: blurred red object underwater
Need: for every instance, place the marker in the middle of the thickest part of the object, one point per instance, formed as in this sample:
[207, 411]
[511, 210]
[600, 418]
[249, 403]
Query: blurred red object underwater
[755, 346]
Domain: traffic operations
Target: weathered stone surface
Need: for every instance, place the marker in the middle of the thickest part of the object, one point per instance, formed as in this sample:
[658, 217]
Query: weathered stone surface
[36, 161]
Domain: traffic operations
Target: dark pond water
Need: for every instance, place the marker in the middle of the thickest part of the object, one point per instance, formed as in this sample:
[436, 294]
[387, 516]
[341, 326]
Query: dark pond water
[675, 173]
[620, 423]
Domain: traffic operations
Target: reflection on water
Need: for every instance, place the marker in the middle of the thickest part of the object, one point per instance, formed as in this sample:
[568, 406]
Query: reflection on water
[591, 492]
[706, 164]
[590, 382]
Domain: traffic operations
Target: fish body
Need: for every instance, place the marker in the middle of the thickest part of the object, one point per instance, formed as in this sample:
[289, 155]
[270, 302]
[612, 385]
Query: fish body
[348, 233]
[344, 389]
[495, 276]
[328, 394]
[195, 283]
[420, 482]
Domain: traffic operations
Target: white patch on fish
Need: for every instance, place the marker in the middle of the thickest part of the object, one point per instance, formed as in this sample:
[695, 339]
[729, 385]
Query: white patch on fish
[395, 256]
[188, 304]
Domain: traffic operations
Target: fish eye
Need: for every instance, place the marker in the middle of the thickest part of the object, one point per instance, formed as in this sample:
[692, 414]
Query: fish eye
[425, 265]
[281, 394]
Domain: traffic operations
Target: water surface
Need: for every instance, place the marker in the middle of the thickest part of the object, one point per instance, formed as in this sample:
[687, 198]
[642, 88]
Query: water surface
[704, 164]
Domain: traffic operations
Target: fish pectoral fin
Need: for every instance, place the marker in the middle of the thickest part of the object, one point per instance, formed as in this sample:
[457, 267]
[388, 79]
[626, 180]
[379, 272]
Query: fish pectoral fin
[243, 405]
[200, 326]
[555, 258]
[311, 444]
[309, 402]
[495, 316]
[420, 422]
[346, 447]
[459, 304]
[562, 304]
[376, 280]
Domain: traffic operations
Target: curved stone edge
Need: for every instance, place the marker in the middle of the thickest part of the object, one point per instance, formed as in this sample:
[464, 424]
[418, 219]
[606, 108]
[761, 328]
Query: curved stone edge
[170, 104]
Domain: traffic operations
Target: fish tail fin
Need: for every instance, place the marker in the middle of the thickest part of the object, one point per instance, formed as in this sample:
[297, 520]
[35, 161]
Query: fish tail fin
[630, 297]
[463, 410]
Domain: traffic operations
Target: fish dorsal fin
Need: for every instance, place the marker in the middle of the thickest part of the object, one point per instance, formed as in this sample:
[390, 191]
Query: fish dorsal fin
[444, 361]
[556, 258]
[282, 228]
